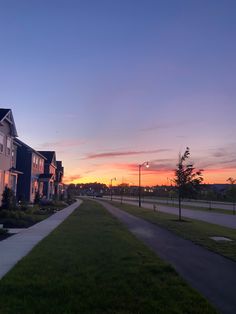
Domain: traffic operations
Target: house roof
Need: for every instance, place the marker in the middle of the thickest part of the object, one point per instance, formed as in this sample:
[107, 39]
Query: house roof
[20, 143]
[49, 155]
[3, 113]
[59, 165]
[6, 114]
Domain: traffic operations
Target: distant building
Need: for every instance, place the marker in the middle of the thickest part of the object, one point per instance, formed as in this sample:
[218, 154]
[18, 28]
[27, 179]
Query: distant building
[59, 187]
[49, 176]
[8, 151]
[31, 163]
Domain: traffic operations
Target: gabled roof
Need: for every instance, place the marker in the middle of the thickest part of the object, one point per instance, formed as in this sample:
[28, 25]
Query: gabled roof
[3, 113]
[59, 167]
[59, 164]
[49, 155]
[6, 114]
[20, 143]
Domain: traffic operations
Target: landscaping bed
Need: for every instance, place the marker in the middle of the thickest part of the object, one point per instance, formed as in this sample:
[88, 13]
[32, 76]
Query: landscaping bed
[4, 234]
[24, 217]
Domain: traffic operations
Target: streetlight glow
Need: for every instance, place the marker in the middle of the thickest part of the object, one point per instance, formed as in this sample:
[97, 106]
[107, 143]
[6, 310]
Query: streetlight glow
[146, 164]
[113, 179]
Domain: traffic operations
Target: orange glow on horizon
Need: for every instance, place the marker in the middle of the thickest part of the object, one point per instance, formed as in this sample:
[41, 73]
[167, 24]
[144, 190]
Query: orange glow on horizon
[152, 178]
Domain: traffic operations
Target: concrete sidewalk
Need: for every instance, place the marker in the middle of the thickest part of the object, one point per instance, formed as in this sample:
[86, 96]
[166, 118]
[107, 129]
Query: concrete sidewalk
[211, 274]
[17, 246]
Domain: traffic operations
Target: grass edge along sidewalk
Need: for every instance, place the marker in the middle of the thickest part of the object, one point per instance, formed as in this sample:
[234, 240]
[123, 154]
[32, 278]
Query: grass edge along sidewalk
[169, 203]
[197, 231]
[92, 264]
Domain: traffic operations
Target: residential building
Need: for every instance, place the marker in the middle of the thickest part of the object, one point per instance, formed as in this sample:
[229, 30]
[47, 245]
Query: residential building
[8, 150]
[59, 187]
[31, 163]
[49, 176]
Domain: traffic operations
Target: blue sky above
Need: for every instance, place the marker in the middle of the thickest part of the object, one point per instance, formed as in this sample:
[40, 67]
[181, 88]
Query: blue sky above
[93, 77]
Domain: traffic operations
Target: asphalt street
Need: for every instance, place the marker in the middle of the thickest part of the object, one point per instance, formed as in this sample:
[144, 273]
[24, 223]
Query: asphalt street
[225, 220]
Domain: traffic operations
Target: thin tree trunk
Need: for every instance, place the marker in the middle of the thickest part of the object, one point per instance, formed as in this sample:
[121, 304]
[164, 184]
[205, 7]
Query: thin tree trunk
[180, 218]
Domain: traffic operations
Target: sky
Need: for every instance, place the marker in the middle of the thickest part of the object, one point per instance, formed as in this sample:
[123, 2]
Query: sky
[110, 84]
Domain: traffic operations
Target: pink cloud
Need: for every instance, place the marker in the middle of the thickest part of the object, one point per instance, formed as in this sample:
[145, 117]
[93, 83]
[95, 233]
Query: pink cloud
[71, 178]
[62, 144]
[124, 153]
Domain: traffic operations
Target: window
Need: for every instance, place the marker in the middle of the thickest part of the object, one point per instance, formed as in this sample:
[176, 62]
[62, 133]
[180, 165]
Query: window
[1, 182]
[13, 160]
[8, 151]
[41, 164]
[1, 143]
[34, 160]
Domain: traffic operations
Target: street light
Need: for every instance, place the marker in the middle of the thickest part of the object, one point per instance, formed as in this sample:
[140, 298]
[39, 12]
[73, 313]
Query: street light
[113, 179]
[146, 164]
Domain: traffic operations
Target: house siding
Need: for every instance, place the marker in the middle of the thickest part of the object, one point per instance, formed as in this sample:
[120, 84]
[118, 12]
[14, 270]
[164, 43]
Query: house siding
[5, 158]
[32, 165]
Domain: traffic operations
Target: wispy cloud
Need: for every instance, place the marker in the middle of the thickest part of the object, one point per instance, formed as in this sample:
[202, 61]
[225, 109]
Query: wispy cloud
[62, 144]
[219, 158]
[156, 127]
[132, 168]
[71, 178]
[124, 153]
[160, 126]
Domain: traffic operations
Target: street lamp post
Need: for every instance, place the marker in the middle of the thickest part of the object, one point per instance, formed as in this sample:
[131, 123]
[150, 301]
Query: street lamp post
[111, 186]
[146, 164]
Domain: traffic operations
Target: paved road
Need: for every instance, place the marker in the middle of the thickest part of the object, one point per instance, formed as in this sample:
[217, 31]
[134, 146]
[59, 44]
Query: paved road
[211, 274]
[198, 203]
[225, 220]
[17, 246]
[203, 204]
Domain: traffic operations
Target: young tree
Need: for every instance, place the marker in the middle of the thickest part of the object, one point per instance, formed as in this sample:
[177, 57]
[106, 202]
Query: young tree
[37, 198]
[231, 192]
[187, 180]
[8, 199]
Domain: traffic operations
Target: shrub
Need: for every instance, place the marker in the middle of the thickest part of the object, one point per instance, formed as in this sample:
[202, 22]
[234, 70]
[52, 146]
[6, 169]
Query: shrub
[3, 231]
[8, 199]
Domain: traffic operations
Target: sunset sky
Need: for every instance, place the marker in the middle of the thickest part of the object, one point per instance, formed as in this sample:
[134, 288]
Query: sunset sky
[109, 84]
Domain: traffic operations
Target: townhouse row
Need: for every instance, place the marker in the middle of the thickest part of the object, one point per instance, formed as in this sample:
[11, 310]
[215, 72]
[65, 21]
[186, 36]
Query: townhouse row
[29, 173]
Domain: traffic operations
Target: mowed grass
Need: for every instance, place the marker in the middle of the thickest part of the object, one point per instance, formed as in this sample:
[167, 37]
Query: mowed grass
[194, 207]
[92, 264]
[197, 231]
[169, 203]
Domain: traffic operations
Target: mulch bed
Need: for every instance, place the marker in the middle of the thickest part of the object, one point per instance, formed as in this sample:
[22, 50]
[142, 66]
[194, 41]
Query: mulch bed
[5, 236]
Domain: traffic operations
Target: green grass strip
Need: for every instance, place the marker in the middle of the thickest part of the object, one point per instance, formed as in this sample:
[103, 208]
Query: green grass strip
[197, 231]
[169, 203]
[193, 207]
[92, 264]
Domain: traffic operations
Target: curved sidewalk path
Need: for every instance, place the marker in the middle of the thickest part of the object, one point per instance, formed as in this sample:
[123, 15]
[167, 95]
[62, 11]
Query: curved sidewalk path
[14, 248]
[224, 220]
[211, 274]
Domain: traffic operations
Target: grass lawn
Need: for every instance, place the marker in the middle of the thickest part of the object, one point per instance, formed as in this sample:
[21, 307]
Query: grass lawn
[199, 208]
[194, 230]
[92, 264]
[169, 203]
